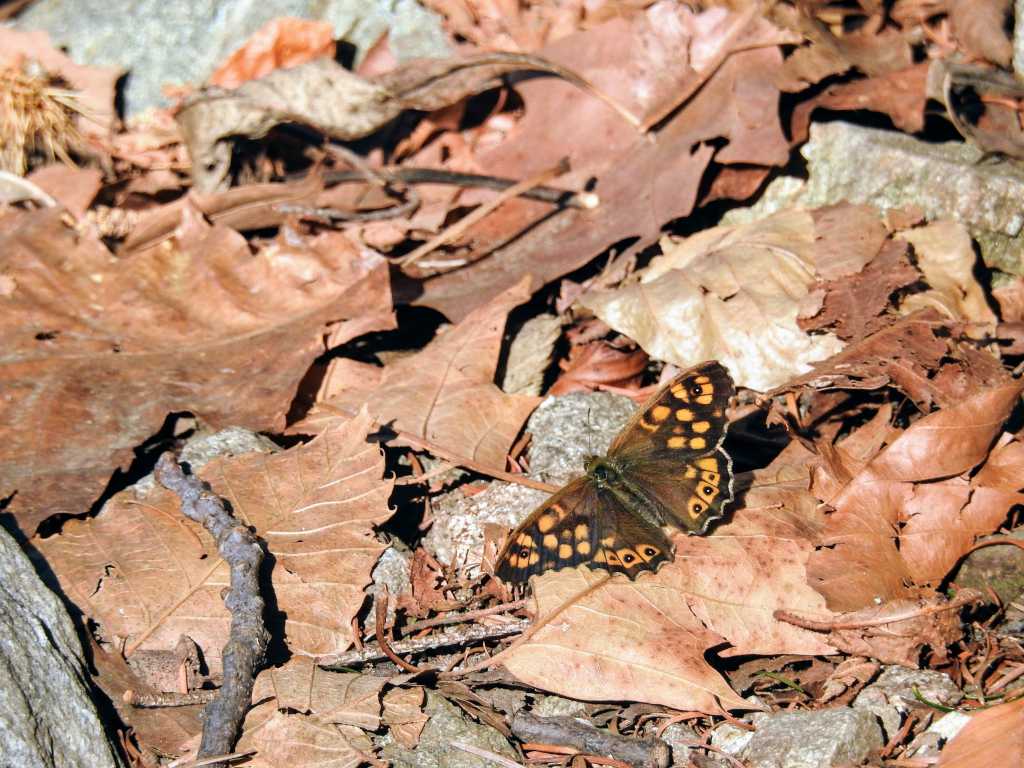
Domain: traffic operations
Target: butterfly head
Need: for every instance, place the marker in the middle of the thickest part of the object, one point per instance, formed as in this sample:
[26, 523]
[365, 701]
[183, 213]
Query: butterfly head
[601, 470]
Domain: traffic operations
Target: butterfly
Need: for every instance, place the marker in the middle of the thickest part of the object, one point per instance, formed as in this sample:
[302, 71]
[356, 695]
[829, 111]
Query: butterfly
[666, 467]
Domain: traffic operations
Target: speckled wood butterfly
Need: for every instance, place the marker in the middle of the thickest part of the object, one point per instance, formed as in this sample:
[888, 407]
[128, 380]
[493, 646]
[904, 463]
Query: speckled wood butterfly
[666, 467]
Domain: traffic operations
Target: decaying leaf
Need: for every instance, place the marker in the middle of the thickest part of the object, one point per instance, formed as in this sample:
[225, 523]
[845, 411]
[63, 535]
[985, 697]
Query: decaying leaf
[147, 575]
[331, 697]
[304, 742]
[279, 44]
[992, 737]
[98, 351]
[446, 393]
[404, 715]
[731, 294]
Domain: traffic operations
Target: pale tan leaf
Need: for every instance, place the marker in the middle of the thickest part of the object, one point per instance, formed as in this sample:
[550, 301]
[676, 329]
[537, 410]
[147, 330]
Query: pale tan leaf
[945, 253]
[404, 715]
[992, 737]
[731, 294]
[299, 741]
[446, 393]
[332, 697]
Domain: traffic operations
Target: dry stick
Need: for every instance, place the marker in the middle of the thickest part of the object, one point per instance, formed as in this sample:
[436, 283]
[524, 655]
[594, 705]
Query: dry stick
[168, 699]
[466, 222]
[442, 453]
[457, 637]
[828, 625]
[244, 651]
[382, 641]
[458, 618]
[206, 761]
[588, 739]
[494, 757]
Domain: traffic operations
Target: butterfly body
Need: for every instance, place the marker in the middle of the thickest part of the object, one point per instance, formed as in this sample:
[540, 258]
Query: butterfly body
[665, 468]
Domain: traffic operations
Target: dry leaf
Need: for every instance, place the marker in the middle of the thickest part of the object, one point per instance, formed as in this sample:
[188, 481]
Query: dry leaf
[445, 394]
[98, 351]
[147, 575]
[332, 697]
[298, 741]
[993, 736]
[732, 294]
[591, 365]
[981, 27]
[279, 44]
[404, 715]
[861, 561]
[945, 254]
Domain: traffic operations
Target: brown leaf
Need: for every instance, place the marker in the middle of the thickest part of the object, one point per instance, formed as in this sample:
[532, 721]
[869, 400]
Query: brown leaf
[404, 715]
[111, 347]
[992, 737]
[853, 307]
[1010, 296]
[332, 697]
[147, 575]
[591, 365]
[862, 560]
[74, 188]
[642, 181]
[299, 741]
[981, 27]
[279, 44]
[733, 294]
[446, 394]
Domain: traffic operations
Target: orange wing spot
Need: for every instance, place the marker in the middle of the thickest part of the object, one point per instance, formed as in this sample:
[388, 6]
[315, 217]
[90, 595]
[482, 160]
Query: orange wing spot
[648, 552]
[698, 443]
[660, 412]
[690, 473]
[684, 414]
[565, 551]
[710, 463]
[705, 399]
[608, 541]
[550, 541]
[680, 393]
[628, 557]
[600, 558]
[546, 522]
[700, 427]
[565, 535]
[534, 558]
[612, 558]
[695, 507]
[676, 442]
[711, 477]
[514, 561]
[703, 379]
[708, 492]
[583, 547]
[649, 427]
[582, 531]
[560, 511]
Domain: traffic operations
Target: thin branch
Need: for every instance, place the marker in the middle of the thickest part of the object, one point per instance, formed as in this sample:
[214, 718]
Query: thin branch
[457, 637]
[244, 651]
[458, 618]
[964, 598]
[168, 699]
[588, 739]
[382, 641]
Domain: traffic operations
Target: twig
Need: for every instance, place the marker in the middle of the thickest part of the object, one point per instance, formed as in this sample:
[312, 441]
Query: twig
[494, 757]
[244, 651]
[382, 641]
[200, 763]
[470, 219]
[588, 739]
[168, 699]
[461, 636]
[964, 598]
[711, 748]
[458, 618]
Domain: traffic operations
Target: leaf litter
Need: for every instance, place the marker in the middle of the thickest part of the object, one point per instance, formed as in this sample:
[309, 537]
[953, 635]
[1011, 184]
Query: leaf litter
[866, 348]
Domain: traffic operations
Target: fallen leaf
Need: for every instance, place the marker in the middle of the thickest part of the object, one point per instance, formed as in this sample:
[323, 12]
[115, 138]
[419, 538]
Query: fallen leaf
[279, 44]
[945, 254]
[303, 742]
[731, 294]
[74, 188]
[591, 365]
[146, 575]
[404, 715]
[446, 394]
[642, 181]
[993, 736]
[980, 26]
[112, 347]
[332, 697]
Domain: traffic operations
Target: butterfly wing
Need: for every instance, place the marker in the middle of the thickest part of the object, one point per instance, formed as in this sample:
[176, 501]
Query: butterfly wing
[580, 525]
[670, 452]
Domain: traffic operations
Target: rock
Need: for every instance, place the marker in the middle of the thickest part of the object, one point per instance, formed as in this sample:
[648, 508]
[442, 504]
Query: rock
[816, 739]
[447, 725]
[565, 431]
[893, 170]
[679, 737]
[998, 567]
[891, 696]
[183, 41]
[730, 738]
[47, 716]
[557, 706]
[929, 743]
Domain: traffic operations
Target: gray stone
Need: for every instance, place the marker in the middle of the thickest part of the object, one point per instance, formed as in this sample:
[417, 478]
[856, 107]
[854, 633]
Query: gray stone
[565, 431]
[183, 41]
[557, 706]
[731, 739]
[679, 737]
[1018, 38]
[891, 696]
[47, 717]
[891, 170]
[938, 734]
[822, 738]
[447, 726]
